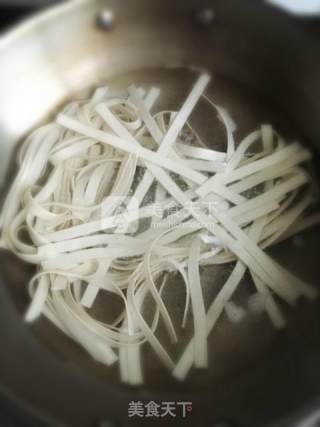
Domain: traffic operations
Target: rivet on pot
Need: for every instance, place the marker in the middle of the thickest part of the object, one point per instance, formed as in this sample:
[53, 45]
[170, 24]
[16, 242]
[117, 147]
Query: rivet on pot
[205, 17]
[105, 19]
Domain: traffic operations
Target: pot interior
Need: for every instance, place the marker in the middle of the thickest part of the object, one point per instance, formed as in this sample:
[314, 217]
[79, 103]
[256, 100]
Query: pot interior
[62, 56]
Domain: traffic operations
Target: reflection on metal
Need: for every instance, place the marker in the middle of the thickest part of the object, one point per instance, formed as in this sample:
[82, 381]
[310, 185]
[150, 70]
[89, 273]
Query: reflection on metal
[299, 7]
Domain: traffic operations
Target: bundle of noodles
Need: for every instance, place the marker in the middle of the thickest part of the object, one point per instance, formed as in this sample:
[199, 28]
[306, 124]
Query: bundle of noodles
[113, 197]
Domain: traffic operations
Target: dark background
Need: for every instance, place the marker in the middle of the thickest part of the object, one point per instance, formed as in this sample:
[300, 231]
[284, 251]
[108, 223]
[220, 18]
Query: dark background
[12, 11]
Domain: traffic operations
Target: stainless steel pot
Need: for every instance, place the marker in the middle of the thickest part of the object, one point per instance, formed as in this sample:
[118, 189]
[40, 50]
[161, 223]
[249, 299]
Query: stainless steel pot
[265, 68]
